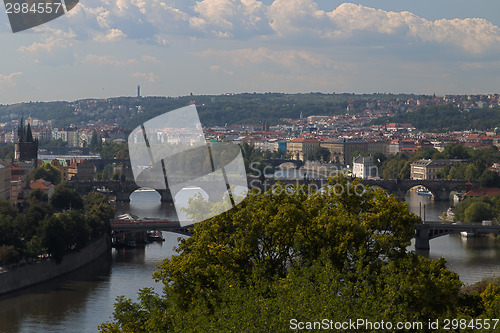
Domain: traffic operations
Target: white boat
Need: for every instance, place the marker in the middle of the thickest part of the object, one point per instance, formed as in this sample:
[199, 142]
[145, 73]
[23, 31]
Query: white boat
[145, 190]
[466, 234]
[127, 217]
[422, 191]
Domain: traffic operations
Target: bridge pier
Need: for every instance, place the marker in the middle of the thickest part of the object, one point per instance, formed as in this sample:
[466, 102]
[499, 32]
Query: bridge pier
[122, 197]
[442, 195]
[422, 237]
[166, 196]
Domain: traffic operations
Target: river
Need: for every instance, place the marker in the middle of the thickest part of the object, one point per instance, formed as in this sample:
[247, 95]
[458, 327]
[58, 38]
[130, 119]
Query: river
[80, 301]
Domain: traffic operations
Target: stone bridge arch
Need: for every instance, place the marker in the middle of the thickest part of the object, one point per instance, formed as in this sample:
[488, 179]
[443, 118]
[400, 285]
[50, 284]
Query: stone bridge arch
[277, 162]
[121, 189]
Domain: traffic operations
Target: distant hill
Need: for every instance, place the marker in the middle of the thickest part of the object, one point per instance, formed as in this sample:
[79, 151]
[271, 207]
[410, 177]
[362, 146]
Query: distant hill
[446, 118]
[246, 108]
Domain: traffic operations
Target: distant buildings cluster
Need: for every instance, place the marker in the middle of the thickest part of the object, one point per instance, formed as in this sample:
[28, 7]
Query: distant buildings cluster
[343, 139]
[14, 183]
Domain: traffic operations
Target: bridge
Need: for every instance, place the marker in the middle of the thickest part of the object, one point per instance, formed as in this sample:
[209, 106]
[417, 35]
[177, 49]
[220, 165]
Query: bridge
[275, 162]
[423, 232]
[122, 189]
[430, 230]
[150, 224]
[441, 189]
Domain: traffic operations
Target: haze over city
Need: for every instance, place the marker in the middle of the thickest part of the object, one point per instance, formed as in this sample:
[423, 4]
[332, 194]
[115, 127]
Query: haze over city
[106, 48]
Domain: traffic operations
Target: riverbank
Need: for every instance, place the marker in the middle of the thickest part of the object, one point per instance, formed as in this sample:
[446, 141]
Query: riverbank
[31, 274]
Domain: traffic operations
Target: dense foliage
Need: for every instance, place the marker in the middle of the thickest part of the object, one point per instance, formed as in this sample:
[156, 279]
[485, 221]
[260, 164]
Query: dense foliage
[253, 108]
[50, 226]
[246, 108]
[46, 172]
[445, 118]
[478, 209]
[111, 150]
[339, 255]
[7, 151]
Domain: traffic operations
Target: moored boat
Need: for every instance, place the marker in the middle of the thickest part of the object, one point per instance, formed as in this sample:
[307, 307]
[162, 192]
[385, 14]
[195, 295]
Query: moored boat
[422, 191]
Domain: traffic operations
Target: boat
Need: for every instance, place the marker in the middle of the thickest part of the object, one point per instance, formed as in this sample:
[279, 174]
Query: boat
[144, 189]
[127, 217]
[154, 236]
[466, 234]
[422, 191]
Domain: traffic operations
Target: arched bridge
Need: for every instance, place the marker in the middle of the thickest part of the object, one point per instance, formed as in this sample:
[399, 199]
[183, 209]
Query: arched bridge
[441, 189]
[275, 162]
[122, 189]
[430, 230]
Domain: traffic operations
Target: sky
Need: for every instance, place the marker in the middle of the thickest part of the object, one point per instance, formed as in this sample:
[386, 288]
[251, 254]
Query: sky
[105, 48]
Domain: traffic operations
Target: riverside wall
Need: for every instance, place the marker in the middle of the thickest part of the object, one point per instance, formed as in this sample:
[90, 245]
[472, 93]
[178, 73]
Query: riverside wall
[31, 274]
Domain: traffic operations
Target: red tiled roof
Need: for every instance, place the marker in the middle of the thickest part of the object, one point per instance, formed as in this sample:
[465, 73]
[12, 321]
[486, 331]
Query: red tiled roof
[41, 184]
[482, 192]
[304, 140]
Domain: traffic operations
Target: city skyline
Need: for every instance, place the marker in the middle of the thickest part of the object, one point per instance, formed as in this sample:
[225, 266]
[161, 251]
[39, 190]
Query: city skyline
[173, 48]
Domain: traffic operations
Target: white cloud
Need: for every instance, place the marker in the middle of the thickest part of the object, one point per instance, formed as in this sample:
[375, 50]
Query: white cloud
[298, 18]
[48, 45]
[283, 21]
[135, 19]
[113, 35]
[150, 59]
[290, 59]
[302, 19]
[224, 18]
[10, 79]
[107, 60]
[149, 77]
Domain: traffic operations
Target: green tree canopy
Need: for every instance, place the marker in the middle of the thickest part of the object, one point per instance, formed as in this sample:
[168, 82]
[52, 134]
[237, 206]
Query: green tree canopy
[47, 172]
[286, 254]
[65, 197]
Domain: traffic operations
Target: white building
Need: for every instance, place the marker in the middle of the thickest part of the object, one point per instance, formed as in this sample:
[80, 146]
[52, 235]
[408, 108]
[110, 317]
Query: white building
[364, 168]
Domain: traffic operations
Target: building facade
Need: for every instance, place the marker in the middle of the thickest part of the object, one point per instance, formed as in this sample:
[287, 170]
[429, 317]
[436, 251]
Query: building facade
[5, 181]
[429, 169]
[302, 148]
[342, 151]
[364, 168]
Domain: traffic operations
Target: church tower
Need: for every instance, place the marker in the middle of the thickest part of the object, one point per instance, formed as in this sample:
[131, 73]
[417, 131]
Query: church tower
[26, 148]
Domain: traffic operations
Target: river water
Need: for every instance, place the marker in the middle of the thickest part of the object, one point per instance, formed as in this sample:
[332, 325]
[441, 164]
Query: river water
[82, 300]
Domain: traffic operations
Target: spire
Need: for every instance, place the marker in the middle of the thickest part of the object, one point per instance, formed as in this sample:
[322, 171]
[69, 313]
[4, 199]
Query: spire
[20, 130]
[29, 135]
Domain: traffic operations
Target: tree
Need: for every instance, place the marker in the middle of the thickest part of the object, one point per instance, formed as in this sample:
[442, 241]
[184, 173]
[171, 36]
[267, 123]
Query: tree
[489, 178]
[98, 213]
[456, 151]
[53, 237]
[95, 143]
[321, 154]
[65, 198]
[37, 196]
[478, 211]
[6, 209]
[287, 254]
[491, 300]
[47, 172]
[8, 254]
